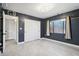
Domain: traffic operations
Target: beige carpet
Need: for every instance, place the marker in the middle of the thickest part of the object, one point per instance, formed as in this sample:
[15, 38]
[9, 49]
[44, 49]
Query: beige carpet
[39, 48]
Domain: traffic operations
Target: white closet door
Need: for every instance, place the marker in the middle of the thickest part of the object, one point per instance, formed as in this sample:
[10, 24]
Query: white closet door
[32, 30]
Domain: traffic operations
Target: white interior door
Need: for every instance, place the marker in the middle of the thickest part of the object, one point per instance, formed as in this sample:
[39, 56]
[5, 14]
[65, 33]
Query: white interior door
[32, 30]
[4, 31]
[11, 31]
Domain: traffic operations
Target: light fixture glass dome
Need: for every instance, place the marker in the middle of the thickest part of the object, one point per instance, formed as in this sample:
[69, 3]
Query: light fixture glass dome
[45, 7]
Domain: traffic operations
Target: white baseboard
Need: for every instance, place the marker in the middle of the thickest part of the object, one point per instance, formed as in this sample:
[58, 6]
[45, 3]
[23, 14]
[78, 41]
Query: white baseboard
[20, 43]
[27, 41]
[72, 45]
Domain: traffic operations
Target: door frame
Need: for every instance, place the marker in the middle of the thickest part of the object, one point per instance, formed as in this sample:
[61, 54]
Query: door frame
[17, 29]
[4, 31]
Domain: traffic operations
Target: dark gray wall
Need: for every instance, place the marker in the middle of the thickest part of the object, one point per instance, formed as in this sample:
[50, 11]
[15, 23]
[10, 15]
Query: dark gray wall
[21, 25]
[74, 27]
[1, 29]
[43, 27]
[0, 5]
[75, 30]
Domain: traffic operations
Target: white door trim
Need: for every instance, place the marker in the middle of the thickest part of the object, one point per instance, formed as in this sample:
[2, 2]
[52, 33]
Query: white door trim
[4, 31]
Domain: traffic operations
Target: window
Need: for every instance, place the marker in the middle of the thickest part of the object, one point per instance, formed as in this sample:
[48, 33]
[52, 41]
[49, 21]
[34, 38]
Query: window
[57, 26]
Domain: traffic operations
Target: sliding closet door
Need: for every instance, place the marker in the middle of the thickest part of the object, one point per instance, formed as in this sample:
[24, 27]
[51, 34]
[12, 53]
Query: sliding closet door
[32, 30]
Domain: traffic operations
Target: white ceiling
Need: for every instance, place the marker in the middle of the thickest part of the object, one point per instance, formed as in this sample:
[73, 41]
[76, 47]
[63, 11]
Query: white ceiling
[41, 10]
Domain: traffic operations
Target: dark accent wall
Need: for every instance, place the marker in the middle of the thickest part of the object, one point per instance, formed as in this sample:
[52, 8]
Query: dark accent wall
[21, 25]
[75, 30]
[43, 28]
[74, 27]
[1, 29]
[0, 5]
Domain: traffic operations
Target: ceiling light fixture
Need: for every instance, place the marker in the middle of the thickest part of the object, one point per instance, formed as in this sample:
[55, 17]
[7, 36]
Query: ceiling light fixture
[45, 7]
